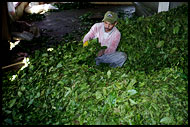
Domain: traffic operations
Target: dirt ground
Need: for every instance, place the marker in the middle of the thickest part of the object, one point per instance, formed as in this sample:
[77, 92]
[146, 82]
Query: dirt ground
[57, 24]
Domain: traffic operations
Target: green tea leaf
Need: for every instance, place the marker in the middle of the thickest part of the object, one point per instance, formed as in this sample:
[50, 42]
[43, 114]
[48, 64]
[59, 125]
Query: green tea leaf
[141, 84]
[104, 91]
[173, 50]
[165, 120]
[44, 55]
[160, 44]
[68, 91]
[22, 88]
[150, 31]
[59, 65]
[133, 81]
[132, 102]
[12, 102]
[109, 74]
[131, 92]
[9, 121]
[19, 93]
[38, 95]
[98, 95]
[176, 30]
[31, 101]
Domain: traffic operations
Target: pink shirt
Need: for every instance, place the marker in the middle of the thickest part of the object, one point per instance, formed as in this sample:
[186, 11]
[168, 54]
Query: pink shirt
[110, 39]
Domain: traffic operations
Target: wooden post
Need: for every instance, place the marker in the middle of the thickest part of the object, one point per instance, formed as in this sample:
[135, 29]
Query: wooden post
[6, 36]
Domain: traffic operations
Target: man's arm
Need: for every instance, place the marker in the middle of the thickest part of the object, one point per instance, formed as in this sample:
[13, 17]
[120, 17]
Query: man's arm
[90, 34]
[112, 48]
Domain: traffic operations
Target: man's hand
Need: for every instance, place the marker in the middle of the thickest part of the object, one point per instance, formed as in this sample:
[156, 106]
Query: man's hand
[101, 52]
[85, 44]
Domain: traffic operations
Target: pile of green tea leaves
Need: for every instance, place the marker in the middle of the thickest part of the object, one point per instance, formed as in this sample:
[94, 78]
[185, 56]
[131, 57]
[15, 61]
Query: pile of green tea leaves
[159, 41]
[63, 85]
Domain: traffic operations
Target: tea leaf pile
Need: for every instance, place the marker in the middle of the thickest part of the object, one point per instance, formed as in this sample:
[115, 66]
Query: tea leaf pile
[63, 86]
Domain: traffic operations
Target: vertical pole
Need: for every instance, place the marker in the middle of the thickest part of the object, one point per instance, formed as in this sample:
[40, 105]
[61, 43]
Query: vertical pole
[5, 46]
[163, 6]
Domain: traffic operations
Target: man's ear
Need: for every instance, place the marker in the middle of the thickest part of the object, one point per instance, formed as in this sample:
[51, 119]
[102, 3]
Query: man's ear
[115, 23]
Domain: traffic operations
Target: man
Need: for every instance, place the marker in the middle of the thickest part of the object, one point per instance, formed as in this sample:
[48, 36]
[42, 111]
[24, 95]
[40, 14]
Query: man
[108, 35]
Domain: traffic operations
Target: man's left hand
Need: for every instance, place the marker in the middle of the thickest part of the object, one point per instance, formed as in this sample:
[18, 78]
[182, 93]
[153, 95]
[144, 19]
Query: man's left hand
[101, 52]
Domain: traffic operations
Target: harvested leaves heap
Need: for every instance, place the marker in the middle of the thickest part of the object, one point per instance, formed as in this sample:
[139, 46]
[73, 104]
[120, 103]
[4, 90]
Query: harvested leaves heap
[156, 42]
[64, 85]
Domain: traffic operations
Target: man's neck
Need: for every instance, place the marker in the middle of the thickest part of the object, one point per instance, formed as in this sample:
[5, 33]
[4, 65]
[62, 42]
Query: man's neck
[108, 31]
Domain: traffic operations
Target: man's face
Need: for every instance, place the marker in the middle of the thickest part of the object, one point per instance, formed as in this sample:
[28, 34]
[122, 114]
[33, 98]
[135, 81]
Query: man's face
[108, 26]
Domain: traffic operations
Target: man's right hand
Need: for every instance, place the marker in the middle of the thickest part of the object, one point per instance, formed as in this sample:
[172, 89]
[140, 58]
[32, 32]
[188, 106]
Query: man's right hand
[85, 44]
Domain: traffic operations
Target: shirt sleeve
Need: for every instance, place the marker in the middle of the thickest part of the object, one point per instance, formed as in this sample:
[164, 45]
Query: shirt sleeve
[91, 34]
[112, 48]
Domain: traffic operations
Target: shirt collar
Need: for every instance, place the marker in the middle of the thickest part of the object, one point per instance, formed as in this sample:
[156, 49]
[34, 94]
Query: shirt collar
[110, 31]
